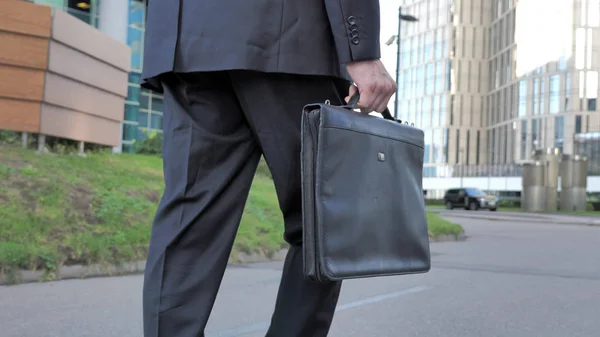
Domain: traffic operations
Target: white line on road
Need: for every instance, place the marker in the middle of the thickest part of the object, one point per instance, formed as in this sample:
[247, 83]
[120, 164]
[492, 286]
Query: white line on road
[246, 329]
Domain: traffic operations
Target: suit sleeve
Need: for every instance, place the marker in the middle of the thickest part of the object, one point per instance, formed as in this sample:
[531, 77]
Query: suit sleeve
[355, 25]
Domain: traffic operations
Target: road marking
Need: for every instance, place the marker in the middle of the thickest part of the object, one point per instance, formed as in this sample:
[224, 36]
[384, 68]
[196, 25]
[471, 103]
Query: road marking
[257, 327]
[380, 298]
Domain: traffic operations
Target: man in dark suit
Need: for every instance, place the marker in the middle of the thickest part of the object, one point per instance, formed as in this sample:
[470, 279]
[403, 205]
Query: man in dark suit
[235, 76]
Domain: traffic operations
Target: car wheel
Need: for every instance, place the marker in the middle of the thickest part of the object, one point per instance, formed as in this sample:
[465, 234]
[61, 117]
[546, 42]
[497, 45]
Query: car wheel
[449, 205]
[493, 209]
[473, 206]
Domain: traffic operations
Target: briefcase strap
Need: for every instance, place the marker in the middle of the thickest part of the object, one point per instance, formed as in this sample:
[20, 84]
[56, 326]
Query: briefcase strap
[386, 113]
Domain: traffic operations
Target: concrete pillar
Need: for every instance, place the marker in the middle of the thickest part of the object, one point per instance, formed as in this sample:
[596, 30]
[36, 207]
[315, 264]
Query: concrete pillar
[24, 139]
[82, 149]
[113, 21]
[41, 143]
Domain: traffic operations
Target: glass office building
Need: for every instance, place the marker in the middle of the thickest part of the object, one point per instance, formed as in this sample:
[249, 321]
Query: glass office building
[124, 20]
[511, 77]
[85, 10]
[143, 109]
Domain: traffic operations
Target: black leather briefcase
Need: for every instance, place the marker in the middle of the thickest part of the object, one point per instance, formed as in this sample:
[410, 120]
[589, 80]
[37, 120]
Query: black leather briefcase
[363, 205]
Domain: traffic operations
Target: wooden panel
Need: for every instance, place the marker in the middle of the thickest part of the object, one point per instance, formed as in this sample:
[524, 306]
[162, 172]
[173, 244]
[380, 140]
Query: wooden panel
[23, 50]
[64, 123]
[74, 64]
[25, 18]
[74, 33]
[21, 83]
[77, 96]
[19, 115]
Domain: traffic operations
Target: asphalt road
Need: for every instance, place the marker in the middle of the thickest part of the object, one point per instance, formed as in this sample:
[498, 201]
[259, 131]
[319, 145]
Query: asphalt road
[509, 279]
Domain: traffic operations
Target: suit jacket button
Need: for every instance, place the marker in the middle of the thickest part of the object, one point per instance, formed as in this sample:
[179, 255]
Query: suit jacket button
[351, 20]
[354, 33]
[355, 40]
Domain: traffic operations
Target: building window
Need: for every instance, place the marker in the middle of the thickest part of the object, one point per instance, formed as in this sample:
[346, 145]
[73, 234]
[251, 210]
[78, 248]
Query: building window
[439, 77]
[567, 90]
[420, 81]
[429, 79]
[437, 145]
[414, 50]
[427, 158]
[468, 147]
[435, 111]
[559, 131]
[458, 146]
[405, 50]
[522, 98]
[578, 124]
[135, 34]
[505, 150]
[524, 140]
[84, 10]
[426, 122]
[591, 88]
[448, 75]
[428, 54]
[443, 110]
[477, 145]
[445, 145]
[554, 94]
[541, 93]
[534, 134]
[439, 40]
[562, 63]
[536, 96]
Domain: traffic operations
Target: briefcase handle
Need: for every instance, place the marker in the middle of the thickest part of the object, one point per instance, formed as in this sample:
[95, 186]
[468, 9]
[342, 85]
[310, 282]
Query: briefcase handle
[353, 102]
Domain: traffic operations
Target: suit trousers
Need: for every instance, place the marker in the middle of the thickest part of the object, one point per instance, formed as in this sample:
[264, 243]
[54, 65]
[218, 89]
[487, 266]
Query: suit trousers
[216, 127]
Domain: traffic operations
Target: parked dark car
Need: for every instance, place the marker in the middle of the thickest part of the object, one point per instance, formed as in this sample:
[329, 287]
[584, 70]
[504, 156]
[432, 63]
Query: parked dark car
[469, 198]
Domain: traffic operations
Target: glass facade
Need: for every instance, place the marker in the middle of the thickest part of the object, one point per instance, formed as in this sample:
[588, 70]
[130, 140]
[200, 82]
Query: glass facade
[84, 10]
[479, 72]
[424, 74]
[143, 108]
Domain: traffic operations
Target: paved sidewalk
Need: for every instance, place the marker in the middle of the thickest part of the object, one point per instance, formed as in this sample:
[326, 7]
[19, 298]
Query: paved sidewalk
[551, 218]
[509, 279]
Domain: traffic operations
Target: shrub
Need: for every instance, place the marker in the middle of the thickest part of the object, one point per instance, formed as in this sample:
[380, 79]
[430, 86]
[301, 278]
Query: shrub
[152, 145]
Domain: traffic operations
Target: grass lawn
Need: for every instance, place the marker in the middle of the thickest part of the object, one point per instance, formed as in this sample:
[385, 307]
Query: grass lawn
[64, 209]
[438, 226]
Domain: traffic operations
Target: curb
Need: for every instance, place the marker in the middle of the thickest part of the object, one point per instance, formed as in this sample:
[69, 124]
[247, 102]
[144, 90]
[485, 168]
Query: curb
[449, 238]
[137, 267]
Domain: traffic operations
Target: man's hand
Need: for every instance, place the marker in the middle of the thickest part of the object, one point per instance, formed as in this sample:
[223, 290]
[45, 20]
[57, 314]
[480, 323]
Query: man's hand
[374, 83]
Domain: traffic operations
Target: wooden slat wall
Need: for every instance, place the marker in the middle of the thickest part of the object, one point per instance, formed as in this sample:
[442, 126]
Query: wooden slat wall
[21, 83]
[23, 50]
[25, 18]
[60, 76]
[66, 123]
[23, 116]
[25, 30]
[86, 83]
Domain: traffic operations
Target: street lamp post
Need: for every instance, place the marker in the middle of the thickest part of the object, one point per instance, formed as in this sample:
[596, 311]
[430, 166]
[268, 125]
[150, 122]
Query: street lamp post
[401, 17]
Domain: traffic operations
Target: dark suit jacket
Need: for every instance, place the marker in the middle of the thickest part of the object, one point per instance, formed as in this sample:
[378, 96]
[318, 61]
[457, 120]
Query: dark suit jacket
[310, 37]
